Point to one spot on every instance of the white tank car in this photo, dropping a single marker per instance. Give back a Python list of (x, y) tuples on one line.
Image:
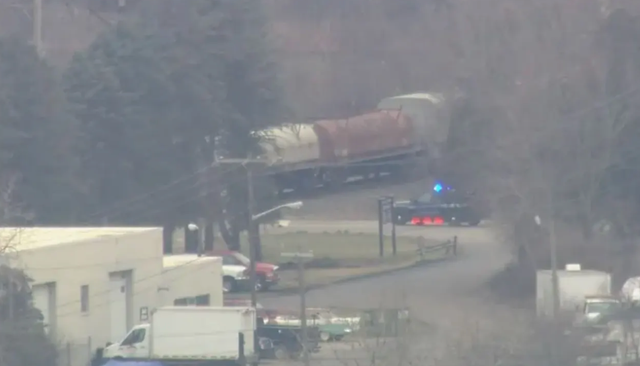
[(290, 145), (430, 114)]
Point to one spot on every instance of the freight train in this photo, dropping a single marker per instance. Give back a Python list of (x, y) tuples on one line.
[(328, 152)]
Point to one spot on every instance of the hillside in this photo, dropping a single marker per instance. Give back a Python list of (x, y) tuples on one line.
[(336, 58)]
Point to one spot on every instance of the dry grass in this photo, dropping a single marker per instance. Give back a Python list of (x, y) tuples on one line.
[(348, 249), (341, 256)]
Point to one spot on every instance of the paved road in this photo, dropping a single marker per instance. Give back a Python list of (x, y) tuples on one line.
[(417, 287), (431, 292)]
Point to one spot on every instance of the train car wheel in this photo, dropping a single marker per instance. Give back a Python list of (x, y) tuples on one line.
[(334, 178), (306, 183)]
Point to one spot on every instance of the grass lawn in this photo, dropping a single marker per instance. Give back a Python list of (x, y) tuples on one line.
[(338, 255), (349, 249), (325, 276)]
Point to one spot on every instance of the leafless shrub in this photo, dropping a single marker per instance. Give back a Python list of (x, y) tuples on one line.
[(478, 334), (11, 211), (537, 72)]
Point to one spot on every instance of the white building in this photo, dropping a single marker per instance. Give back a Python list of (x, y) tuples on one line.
[(191, 280), (93, 284)]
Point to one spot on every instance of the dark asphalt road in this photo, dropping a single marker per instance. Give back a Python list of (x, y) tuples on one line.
[(442, 295), (422, 289)]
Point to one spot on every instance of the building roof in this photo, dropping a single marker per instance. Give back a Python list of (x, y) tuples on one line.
[(178, 260), (432, 97), (29, 238)]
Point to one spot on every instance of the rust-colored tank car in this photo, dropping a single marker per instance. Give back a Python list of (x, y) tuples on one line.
[(378, 133)]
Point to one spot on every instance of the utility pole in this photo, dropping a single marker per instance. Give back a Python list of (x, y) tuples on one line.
[(204, 193), (252, 239), (37, 26), (252, 224), (299, 258), (553, 246), (10, 295)]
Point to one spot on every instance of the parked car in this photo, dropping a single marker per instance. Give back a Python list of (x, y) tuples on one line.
[(286, 340), (235, 272), (330, 326), (265, 347)]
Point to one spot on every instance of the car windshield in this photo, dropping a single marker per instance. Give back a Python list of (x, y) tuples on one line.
[(605, 307), (242, 258)]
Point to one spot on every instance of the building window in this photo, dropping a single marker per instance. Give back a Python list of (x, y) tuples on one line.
[(200, 300), (185, 301), (84, 298)]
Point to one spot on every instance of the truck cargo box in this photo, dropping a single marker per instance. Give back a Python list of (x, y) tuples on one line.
[(202, 332), (573, 285)]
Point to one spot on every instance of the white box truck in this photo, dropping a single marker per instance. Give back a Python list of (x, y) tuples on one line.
[(191, 333), (574, 285)]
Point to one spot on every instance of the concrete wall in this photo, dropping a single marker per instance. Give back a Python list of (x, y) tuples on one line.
[(189, 276)]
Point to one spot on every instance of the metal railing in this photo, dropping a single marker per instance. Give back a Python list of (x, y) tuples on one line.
[(450, 247)]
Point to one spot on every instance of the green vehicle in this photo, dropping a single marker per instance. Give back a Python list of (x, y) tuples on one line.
[(331, 327), (336, 324), (333, 332), (368, 323)]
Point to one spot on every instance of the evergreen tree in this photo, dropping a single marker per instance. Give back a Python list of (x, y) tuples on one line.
[(157, 98), (135, 115), (37, 136), (22, 335)]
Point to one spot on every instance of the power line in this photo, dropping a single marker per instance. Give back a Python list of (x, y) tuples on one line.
[(574, 116), (138, 281), (373, 164), (338, 164), (63, 268), (265, 173), (129, 202)]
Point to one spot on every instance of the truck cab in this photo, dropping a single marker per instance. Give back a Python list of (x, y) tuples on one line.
[(600, 305), (134, 345), (596, 308)]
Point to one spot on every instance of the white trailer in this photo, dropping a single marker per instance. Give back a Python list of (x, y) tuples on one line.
[(191, 333), (574, 286)]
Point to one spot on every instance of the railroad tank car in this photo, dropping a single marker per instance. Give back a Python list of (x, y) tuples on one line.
[(290, 145), (430, 115), (374, 134)]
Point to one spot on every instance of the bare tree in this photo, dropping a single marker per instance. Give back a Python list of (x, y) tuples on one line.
[(474, 332)]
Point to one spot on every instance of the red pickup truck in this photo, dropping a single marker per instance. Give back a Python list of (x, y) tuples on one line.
[(266, 273)]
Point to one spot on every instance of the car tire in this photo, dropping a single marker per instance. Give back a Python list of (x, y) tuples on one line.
[(281, 353), (229, 284), (261, 284)]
